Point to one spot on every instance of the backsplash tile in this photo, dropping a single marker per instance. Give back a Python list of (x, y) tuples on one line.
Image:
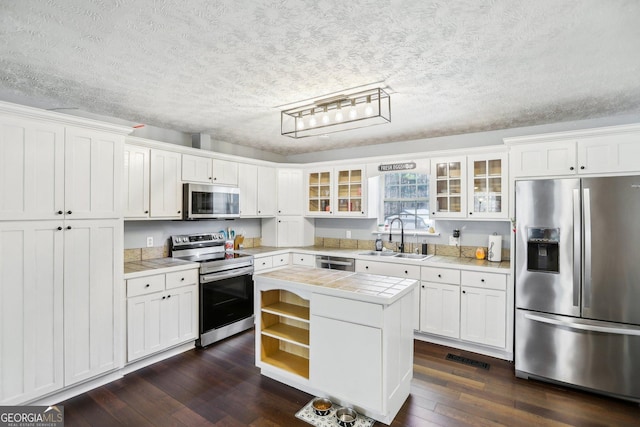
[(132, 255), (154, 252)]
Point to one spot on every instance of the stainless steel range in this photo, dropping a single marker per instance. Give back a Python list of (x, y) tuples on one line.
[(226, 285)]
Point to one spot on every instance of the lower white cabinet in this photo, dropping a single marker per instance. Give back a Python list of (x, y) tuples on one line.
[(483, 308), (388, 269), (162, 311), (440, 309)]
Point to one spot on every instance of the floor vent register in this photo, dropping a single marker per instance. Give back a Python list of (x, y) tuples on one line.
[(467, 361)]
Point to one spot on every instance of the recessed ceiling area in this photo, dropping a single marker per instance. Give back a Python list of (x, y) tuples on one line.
[(223, 67)]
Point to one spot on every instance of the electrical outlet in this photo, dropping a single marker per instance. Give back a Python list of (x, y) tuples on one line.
[(454, 241), (348, 234), (149, 242)]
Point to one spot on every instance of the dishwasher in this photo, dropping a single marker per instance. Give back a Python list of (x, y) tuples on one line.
[(335, 263)]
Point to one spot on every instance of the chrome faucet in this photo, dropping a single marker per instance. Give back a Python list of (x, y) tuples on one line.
[(401, 247)]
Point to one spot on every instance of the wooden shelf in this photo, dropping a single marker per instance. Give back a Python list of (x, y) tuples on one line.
[(289, 362), (288, 333), (291, 311)]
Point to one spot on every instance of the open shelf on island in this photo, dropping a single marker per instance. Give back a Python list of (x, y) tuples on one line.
[(288, 333)]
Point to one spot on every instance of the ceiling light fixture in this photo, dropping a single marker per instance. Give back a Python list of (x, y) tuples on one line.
[(349, 110)]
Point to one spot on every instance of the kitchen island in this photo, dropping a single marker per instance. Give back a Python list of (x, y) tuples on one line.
[(337, 334)]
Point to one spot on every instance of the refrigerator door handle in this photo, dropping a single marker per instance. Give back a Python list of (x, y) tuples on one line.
[(586, 200), (576, 248), (582, 326)]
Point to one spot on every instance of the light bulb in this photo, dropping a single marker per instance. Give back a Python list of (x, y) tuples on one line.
[(353, 114), (325, 116), (300, 122), (312, 120), (339, 116), (369, 109)]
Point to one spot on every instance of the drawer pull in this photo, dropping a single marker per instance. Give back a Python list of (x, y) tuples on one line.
[(440, 275), (482, 280), (168, 296), (147, 285), (163, 297), (406, 272), (182, 280)]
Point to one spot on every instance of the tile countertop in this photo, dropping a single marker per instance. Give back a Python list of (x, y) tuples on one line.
[(434, 261), (360, 286), (135, 269)]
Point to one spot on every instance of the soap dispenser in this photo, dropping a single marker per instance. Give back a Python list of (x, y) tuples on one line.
[(379, 243)]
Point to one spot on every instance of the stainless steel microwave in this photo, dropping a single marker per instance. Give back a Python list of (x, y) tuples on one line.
[(202, 201)]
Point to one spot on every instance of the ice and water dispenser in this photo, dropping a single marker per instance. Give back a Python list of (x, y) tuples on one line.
[(543, 252)]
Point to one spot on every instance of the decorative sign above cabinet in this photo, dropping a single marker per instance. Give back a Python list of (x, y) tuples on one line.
[(396, 167)]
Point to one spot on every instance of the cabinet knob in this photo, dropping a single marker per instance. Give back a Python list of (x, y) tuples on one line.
[(440, 275), (146, 212), (482, 280), (422, 286), (279, 211), (215, 178), (264, 263), (464, 292), (259, 211), (68, 227), (210, 177), (59, 228), (581, 167), (168, 296), (571, 168), (182, 280), (470, 213), (433, 213), (69, 212), (163, 297), (179, 211), (279, 221), (59, 212), (406, 272), (366, 267), (362, 212), (147, 285)]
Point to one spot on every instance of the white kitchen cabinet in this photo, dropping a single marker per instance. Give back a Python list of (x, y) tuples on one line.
[(294, 231), (290, 182), (448, 188), (487, 186), (308, 260), (52, 171), (162, 311), (388, 269), (197, 169), (613, 149), (483, 308), (166, 185), (92, 270), (136, 181), (93, 174), (31, 169), (263, 263), (336, 192), (440, 309), (31, 309), (225, 172), (257, 190)]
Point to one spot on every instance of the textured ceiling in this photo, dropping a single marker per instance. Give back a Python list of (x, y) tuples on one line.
[(222, 67)]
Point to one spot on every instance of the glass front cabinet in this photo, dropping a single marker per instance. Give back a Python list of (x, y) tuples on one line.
[(471, 187), (336, 192), (448, 184)]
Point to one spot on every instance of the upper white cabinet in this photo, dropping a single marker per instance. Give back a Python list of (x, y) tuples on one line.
[(448, 188), (487, 186), (136, 181), (289, 198), (208, 170), (197, 169), (257, 186), (473, 187), (336, 192), (166, 185), (612, 149), (53, 171)]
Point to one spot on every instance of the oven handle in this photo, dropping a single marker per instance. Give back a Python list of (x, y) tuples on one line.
[(208, 278)]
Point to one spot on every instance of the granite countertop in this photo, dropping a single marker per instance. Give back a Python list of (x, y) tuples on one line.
[(433, 261), (134, 269), (367, 287)]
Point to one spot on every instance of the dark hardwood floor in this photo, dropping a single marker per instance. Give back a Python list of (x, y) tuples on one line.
[(220, 386)]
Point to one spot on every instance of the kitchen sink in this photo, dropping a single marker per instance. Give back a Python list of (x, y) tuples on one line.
[(412, 256), (378, 253)]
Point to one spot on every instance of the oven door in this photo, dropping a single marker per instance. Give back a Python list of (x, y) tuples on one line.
[(225, 298)]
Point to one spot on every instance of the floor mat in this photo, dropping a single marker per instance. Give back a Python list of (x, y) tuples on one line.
[(467, 361), (306, 414)]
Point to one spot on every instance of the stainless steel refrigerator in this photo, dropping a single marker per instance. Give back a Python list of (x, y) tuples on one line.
[(577, 283)]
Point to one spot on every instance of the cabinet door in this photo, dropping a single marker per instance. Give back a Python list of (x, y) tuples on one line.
[(166, 187), (345, 361), (136, 182), (197, 169), (289, 230), (487, 184), (440, 309), (31, 169), (266, 188), (225, 172), (610, 153), (290, 191), (248, 185), (143, 325), (93, 174), (92, 273), (319, 193), (179, 316), (31, 325), (448, 188), (350, 192), (543, 159), (483, 316)]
